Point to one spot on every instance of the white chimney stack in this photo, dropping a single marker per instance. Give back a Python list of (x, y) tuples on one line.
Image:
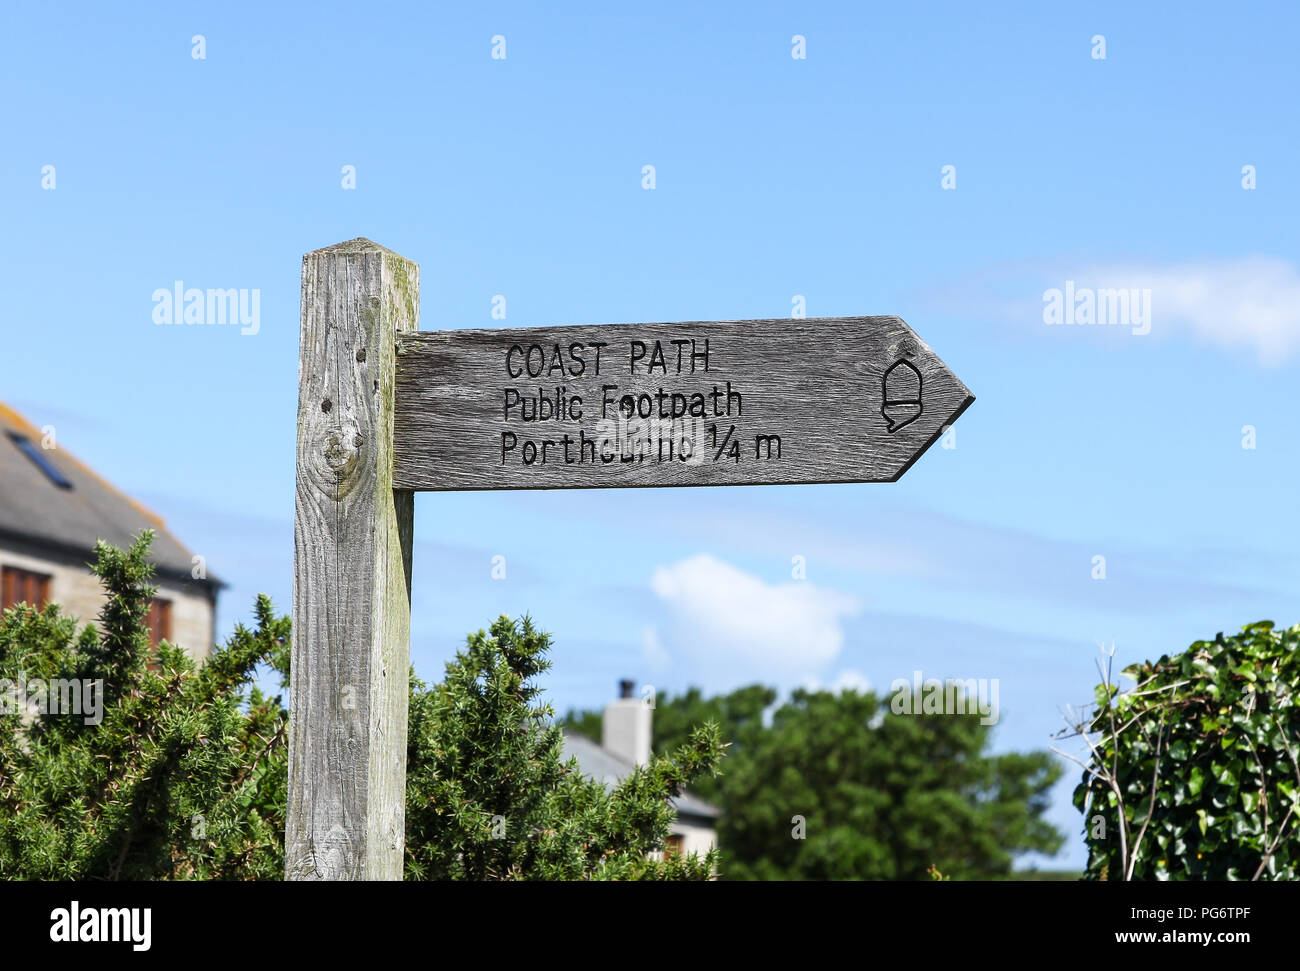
[(626, 730)]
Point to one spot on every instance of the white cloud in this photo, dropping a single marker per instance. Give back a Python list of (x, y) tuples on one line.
[(652, 649), (847, 680), (1253, 302), (850, 680), (723, 613), (1250, 303)]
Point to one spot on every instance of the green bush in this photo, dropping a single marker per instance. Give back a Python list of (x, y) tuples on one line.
[(182, 772), (1202, 758), (489, 797), (184, 776)]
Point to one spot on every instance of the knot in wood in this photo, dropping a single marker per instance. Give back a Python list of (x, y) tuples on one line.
[(337, 466)]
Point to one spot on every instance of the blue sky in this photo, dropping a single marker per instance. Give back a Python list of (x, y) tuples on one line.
[(775, 177)]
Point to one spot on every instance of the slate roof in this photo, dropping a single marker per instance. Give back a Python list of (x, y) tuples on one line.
[(604, 766), (36, 509)]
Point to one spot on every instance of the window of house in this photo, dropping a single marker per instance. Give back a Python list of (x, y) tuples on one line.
[(40, 460), (160, 623), (673, 845), (23, 586)]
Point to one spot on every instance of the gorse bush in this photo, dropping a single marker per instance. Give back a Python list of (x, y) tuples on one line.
[(1195, 772), (184, 776), (180, 770), (489, 796)]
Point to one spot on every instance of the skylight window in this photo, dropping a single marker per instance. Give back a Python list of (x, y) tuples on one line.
[(41, 461)]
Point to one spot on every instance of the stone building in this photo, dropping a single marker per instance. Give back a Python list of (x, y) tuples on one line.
[(53, 509), (625, 744)]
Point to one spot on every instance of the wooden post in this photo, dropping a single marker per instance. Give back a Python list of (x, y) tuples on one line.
[(352, 571)]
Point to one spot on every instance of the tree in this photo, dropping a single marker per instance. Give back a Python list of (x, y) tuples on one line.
[(489, 797), (1194, 773), (169, 770), (838, 786), (180, 773)]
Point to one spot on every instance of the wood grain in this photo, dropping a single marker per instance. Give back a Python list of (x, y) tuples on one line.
[(352, 572), (816, 383)]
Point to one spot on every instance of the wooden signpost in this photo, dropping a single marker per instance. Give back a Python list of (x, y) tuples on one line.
[(384, 411)]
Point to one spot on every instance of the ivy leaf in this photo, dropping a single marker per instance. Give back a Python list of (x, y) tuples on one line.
[(1242, 704), (1101, 695)]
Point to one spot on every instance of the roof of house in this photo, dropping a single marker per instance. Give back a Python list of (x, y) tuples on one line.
[(50, 499), (604, 766)]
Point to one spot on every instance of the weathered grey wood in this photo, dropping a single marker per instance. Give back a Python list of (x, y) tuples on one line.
[(352, 572), (817, 383)]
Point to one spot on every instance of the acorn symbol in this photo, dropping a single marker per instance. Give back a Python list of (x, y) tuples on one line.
[(901, 388)]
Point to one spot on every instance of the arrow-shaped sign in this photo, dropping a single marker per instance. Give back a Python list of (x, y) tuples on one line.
[(384, 410), (744, 402)]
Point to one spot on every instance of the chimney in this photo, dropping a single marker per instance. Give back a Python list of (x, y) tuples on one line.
[(627, 725)]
